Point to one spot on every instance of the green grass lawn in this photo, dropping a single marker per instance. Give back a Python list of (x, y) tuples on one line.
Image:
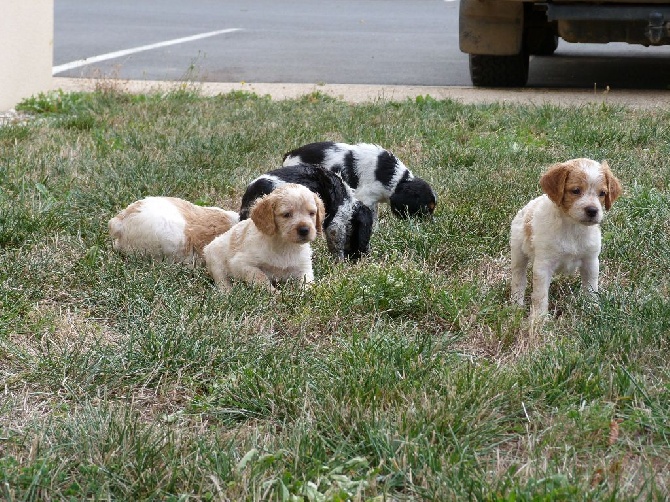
[(407, 375)]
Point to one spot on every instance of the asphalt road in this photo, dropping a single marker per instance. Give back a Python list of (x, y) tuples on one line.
[(390, 42)]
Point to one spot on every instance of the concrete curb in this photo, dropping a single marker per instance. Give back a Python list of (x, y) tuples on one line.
[(370, 93)]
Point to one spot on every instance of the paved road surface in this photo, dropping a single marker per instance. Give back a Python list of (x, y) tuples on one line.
[(390, 42)]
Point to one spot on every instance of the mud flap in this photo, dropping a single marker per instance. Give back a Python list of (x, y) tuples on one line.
[(491, 27)]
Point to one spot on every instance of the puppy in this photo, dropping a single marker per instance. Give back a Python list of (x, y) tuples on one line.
[(273, 245), (168, 228), (348, 222), (374, 173), (559, 231)]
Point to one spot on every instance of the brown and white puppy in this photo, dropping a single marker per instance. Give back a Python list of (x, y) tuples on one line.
[(168, 228), (273, 245), (559, 231)]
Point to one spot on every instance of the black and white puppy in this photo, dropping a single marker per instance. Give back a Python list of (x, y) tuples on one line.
[(373, 172), (348, 222)]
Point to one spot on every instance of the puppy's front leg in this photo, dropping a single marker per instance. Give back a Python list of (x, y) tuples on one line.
[(224, 285), (542, 273), (254, 275), (374, 207), (589, 271), (308, 277), (219, 274)]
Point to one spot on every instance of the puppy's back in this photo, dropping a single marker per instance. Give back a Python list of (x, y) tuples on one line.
[(168, 228), (312, 153), (203, 224)]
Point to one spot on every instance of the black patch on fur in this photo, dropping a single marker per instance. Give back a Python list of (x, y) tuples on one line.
[(314, 153), (387, 166), (413, 197), (349, 173), (255, 190)]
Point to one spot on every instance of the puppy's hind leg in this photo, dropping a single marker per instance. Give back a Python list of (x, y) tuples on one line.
[(519, 279), (519, 275), (519, 265)]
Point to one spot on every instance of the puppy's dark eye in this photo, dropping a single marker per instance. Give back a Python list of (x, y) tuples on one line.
[(602, 193), (288, 214), (312, 213), (576, 191)]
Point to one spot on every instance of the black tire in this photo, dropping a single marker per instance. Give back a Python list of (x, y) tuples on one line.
[(499, 71)]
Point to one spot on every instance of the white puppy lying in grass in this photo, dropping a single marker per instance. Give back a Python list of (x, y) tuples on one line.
[(273, 245), (168, 228)]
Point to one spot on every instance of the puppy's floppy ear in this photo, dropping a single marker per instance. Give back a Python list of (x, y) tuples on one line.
[(263, 214), (320, 214), (613, 186), (553, 181)]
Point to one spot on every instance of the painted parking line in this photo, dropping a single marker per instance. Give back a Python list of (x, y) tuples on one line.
[(126, 52)]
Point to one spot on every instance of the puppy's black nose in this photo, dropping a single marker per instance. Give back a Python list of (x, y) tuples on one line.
[(591, 211), (303, 231)]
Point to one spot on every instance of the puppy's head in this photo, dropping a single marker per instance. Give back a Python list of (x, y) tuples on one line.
[(413, 197), (581, 188), (291, 212)]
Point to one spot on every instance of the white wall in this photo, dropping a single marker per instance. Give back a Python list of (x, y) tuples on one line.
[(26, 49)]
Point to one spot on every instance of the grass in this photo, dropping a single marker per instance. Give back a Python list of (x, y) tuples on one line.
[(407, 375)]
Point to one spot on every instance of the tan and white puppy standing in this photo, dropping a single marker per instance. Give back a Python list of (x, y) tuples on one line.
[(559, 231), (273, 244), (168, 228)]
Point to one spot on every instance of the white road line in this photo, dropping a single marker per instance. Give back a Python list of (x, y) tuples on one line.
[(126, 52)]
